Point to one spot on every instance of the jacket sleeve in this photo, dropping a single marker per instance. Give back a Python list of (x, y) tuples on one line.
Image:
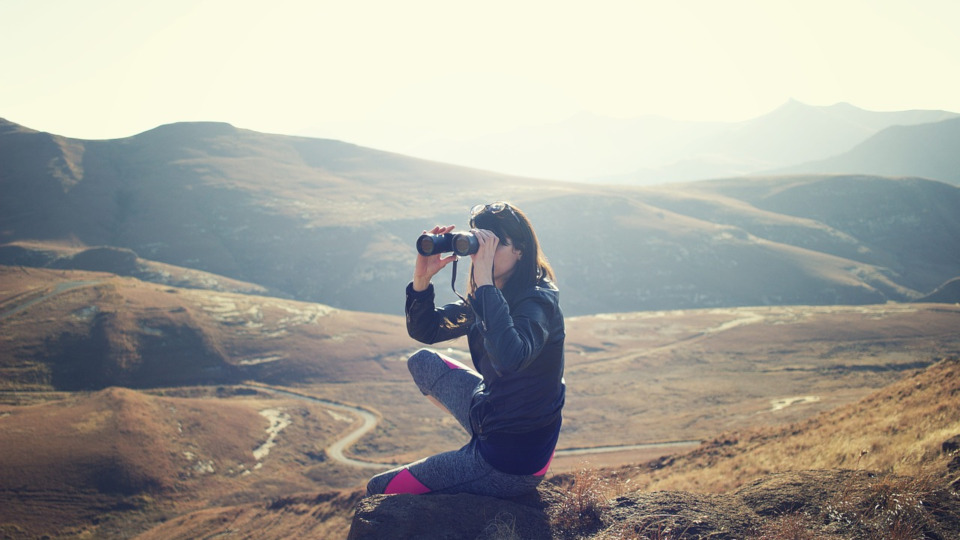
[(513, 339), (428, 324)]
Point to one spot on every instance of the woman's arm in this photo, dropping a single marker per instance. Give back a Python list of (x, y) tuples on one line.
[(428, 324), (512, 339)]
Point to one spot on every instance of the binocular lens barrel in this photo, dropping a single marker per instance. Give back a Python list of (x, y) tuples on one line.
[(427, 244), (465, 244), (460, 243)]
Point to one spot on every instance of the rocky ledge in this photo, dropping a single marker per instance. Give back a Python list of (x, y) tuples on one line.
[(802, 504)]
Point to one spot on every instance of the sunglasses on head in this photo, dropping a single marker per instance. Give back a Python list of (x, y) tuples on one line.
[(493, 208)]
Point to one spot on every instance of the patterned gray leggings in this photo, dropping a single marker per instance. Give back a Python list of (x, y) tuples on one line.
[(459, 471)]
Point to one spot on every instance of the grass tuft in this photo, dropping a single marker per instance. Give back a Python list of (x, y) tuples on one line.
[(586, 501)]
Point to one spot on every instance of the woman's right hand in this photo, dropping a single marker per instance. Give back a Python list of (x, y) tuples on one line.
[(428, 266)]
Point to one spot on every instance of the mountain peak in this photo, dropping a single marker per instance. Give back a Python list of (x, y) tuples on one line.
[(202, 129), (793, 103)]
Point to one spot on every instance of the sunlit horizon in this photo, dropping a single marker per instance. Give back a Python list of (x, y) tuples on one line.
[(392, 75)]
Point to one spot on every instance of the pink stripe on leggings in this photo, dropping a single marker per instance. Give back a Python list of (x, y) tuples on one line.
[(451, 363), (405, 483), (546, 467)]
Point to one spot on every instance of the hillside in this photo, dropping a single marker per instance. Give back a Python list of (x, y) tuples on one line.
[(110, 463), (884, 467), (637, 382), (901, 227), (927, 150), (171, 302), (887, 466), (652, 149), (70, 330), (328, 222), (899, 429), (88, 458)]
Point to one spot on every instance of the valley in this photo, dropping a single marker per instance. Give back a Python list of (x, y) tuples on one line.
[(640, 385), (201, 324)]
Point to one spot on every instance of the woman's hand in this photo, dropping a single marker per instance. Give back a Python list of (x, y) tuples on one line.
[(428, 266), (483, 258)]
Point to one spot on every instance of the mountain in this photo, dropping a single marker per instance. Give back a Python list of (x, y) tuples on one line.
[(70, 460), (84, 330), (170, 302), (652, 149), (796, 132), (178, 447), (580, 148), (883, 222), (928, 150), (885, 467), (104, 464), (333, 223)]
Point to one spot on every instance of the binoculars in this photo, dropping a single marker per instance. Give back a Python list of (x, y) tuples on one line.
[(461, 244)]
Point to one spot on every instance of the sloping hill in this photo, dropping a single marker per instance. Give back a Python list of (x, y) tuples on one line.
[(328, 222), (884, 467), (899, 429), (797, 133), (926, 150), (904, 226), (112, 463), (68, 464), (651, 149), (71, 330)]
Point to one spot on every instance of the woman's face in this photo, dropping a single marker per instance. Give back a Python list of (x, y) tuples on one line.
[(505, 262)]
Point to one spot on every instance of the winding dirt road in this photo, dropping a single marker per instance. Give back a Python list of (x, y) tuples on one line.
[(335, 450)]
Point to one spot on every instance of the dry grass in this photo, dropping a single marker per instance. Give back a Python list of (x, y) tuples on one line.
[(795, 526), (893, 508), (502, 527), (629, 376), (896, 430), (890, 507), (897, 433), (588, 494)]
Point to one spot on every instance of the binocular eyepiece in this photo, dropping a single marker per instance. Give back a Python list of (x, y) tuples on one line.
[(461, 244)]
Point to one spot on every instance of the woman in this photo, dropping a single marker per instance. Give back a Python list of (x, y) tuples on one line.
[(510, 405)]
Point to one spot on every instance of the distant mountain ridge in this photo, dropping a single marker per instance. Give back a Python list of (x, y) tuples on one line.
[(654, 150), (928, 150), (330, 222)]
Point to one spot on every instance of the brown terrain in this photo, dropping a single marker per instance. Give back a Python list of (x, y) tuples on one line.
[(201, 336), (333, 223), (115, 461)]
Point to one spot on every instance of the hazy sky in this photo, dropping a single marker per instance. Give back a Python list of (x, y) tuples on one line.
[(390, 73)]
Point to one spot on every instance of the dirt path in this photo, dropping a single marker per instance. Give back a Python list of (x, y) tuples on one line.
[(59, 289), (335, 450), (370, 422), (621, 447)]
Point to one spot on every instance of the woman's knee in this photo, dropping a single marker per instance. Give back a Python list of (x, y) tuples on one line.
[(420, 360), (423, 366), (396, 481), (378, 483)]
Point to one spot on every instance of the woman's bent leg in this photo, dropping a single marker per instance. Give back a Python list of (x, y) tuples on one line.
[(446, 380), (460, 471)]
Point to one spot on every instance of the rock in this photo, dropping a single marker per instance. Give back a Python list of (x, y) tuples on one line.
[(799, 491), (438, 517), (951, 445), (814, 503), (679, 514)]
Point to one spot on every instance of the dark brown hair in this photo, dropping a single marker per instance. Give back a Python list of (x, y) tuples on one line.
[(533, 268)]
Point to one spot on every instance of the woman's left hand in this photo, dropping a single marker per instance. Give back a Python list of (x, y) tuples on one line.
[(483, 258)]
